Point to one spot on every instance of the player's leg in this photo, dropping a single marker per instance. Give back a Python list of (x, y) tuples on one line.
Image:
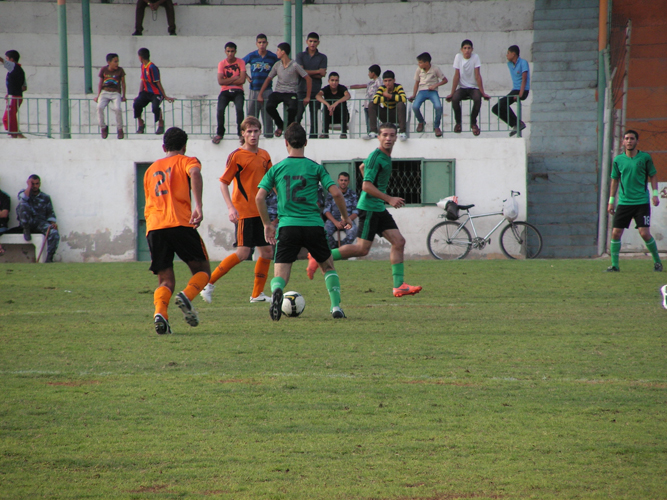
[(162, 259), (189, 246), (643, 220), (394, 236), (620, 222), (261, 273), (315, 241), (288, 246)]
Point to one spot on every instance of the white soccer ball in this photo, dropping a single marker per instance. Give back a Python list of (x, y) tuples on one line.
[(293, 304)]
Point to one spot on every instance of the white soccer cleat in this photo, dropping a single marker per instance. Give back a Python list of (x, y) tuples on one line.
[(664, 296), (207, 293), (260, 298), (337, 313)]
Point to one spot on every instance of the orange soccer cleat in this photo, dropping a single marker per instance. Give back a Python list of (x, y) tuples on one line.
[(406, 289), (312, 267)]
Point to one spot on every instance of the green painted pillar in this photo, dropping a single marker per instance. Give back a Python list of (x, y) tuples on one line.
[(287, 19), (87, 59), (64, 78), (298, 26)]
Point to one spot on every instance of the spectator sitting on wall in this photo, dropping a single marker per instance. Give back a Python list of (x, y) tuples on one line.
[(36, 215), (389, 105), (111, 89), (231, 77), (371, 87), (5, 205), (333, 96), (150, 92), (427, 80), (154, 4), (520, 73), (16, 85), (334, 222), (315, 64)]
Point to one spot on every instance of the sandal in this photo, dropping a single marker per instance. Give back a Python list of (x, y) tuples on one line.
[(216, 139), (278, 132), (457, 128), (475, 129)]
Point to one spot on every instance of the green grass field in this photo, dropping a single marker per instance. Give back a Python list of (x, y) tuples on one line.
[(513, 380)]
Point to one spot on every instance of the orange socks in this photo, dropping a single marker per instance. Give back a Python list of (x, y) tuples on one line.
[(224, 267), (161, 299), (196, 285), (261, 274)]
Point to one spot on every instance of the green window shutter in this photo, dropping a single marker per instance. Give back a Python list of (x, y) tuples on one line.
[(336, 167), (438, 180)]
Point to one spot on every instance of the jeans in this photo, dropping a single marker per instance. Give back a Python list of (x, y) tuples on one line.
[(225, 97), (144, 99), (103, 100), (463, 94), (256, 109), (503, 110), (422, 96)]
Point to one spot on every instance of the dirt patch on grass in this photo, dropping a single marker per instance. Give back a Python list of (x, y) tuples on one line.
[(238, 381), (75, 383)]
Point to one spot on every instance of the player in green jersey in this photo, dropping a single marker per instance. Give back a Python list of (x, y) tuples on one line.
[(374, 217), (630, 172), (296, 180)]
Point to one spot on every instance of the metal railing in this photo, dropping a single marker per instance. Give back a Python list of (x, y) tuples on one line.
[(39, 116)]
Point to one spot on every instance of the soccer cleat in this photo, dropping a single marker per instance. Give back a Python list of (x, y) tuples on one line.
[(312, 267), (189, 313), (402, 136), (207, 293), (657, 267), (262, 297), (276, 308), (337, 313), (663, 290), (161, 325), (612, 269), (406, 289)]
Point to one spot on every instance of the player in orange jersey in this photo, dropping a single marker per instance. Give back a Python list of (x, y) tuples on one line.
[(246, 167), (171, 227)]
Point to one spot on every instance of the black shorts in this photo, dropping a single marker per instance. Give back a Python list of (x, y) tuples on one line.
[(625, 213), (290, 240), (183, 241), (250, 233), (372, 223)]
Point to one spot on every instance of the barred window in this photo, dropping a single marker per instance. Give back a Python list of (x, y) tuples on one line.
[(405, 181)]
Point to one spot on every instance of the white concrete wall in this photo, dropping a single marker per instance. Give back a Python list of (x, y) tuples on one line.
[(93, 187)]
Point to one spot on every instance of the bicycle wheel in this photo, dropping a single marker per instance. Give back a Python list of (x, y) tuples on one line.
[(448, 240), (520, 240)]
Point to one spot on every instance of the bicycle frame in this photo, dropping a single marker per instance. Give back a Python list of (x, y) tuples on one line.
[(470, 218)]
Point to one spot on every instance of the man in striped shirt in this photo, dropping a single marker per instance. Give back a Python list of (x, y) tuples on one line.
[(150, 92), (389, 105)]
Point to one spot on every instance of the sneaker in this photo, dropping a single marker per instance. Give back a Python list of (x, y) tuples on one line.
[(371, 135), (137, 33), (276, 308), (312, 267), (189, 313), (262, 297), (657, 267), (406, 289), (121, 134), (402, 136), (207, 293), (26, 234), (612, 269), (337, 313), (161, 325), (513, 130), (663, 290), (342, 136), (324, 136), (105, 132)]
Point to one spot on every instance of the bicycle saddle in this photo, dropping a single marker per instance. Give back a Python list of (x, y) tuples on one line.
[(465, 207)]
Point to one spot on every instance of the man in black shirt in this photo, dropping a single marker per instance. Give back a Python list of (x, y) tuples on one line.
[(333, 96)]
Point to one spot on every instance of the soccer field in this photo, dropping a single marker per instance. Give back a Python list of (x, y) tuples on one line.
[(502, 379)]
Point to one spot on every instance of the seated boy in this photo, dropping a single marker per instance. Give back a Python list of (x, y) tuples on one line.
[(427, 80), (468, 79), (388, 105), (371, 88), (111, 89), (333, 96)]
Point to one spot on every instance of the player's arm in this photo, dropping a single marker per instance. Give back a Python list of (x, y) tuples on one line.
[(394, 201), (612, 194), (197, 187), (269, 229), (233, 213), (339, 199), (654, 188)]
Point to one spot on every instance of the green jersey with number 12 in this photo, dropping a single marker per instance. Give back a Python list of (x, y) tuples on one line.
[(296, 180)]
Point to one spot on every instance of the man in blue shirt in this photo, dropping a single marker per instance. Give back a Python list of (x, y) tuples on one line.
[(258, 64), (520, 74)]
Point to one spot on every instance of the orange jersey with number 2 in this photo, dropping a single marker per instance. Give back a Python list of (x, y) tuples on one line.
[(167, 189)]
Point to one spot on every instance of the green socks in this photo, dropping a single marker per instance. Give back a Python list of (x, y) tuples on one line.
[(653, 248), (276, 283), (398, 274), (614, 250), (335, 253), (333, 287)]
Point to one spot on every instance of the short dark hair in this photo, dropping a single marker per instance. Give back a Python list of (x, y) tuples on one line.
[(230, 45), (14, 54), (175, 139), (295, 135), (466, 42), (515, 49), (313, 35), (260, 37), (344, 174), (285, 47), (388, 74), (424, 57), (632, 132), (144, 53), (111, 57), (333, 73), (388, 125), (35, 177), (375, 69)]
